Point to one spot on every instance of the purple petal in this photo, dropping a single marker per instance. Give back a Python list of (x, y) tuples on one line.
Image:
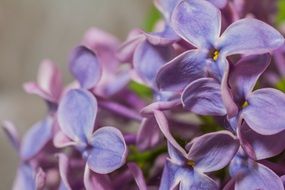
[(249, 36), (96, 181), (108, 151), (40, 133), (166, 7), (259, 177), (85, 67), (50, 79), (262, 146), (63, 170), (219, 3), (34, 88), (184, 177), (165, 37), (203, 97), (163, 105), (163, 125), (12, 134), (212, 151), (149, 134), (182, 70), (244, 75), (148, 59), (76, 114), (198, 22), (60, 140), (266, 111), (40, 179), (138, 175), (175, 155)]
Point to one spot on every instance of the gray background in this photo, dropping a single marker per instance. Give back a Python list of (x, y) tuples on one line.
[(31, 30)]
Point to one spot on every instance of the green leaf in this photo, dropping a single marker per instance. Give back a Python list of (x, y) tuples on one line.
[(281, 85), (140, 89), (153, 16), (281, 12)]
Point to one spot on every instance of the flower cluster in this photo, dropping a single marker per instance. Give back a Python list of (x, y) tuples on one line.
[(182, 107)]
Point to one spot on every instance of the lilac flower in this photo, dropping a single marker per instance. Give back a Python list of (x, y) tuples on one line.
[(205, 154), (199, 23), (104, 150), (249, 174), (204, 97)]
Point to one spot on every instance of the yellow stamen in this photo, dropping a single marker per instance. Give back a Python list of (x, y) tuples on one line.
[(216, 55), (245, 104), (191, 163)]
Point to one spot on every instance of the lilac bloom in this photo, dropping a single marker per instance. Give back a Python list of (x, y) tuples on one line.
[(104, 150), (206, 153), (49, 83), (199, 23), (254, 107), (249, 174)]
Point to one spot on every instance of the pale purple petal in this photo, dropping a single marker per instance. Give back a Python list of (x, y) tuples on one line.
[(96, 181), (76, 114), (259, 177), (175, 155), (40, 133), (203, 97), (166, 7), (40, 179), (60, 140), (219, 3), (50, 79), (108, 151), (148, 59), (85, 67), (149, 134), (266, 111), (34, 88), (263, 146), (25, 178), (165, 37), (182, 70), (163, 125), (63, 170), (138, 176), (160, 105), (12, 134), (244, 75), (198, 22), (212, 151), (249, 36)]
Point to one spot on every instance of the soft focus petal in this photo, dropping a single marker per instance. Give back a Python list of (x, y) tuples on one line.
[(36, 138), (219, 3), (212, 151), (76, 114), (96, 181), (266, 111), (60, 140), (34, 88), (85, 67), (25, 178), (108, 151), (160, 105), (166, 7), (40, 179), (63, 170), (138, 176), (259, 177), (50, 79), (165, 37), (198, 22), (249, 36), (12, 134), (149, 134), (203, 97), (175, 155), (244, 75), (182, 70), (263, 146), (148, 59)]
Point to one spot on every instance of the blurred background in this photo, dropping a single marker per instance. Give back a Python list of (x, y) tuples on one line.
[(31, 30)]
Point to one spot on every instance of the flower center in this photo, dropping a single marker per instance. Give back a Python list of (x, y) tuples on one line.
[(245, 104), (215, 55), (190, 163)]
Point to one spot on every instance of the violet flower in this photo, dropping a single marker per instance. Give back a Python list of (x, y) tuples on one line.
[(204, 154), (199, 23), (104, 150), (249, 174)]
